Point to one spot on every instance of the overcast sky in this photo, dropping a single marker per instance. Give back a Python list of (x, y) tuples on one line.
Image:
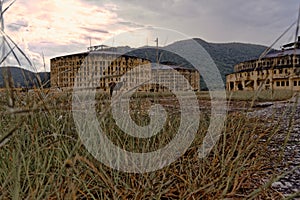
[(58, 27)]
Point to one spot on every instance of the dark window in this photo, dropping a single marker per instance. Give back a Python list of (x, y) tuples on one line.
[(231, 85), (295, 83), (287, 83), (282, 83), (275, 71), (277, 83)]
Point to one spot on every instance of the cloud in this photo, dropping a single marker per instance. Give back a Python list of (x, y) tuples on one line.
[(257, 21), (17, 25), (42, 26), (94, 30), (13, 27), (131, 24), (55, 27)]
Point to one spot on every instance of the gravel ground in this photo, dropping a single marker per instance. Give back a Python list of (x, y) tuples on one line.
[(285, 114)]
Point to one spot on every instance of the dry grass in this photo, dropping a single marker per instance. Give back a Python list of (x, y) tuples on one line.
[(43, 158), (264, 95)]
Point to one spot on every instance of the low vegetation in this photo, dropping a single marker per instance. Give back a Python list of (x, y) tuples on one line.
[(42, 156)]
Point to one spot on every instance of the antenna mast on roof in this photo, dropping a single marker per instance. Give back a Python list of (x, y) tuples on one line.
[(156, 50), (90, 42)]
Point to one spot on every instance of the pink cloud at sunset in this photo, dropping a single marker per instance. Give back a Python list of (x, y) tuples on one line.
[(53, 27)]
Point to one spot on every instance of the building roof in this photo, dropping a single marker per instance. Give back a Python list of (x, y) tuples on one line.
[(106, 53), (166, 67), (100, 52), (284, 52)]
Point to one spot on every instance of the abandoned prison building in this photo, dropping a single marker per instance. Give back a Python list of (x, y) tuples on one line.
[(274, 71), (103, 69)]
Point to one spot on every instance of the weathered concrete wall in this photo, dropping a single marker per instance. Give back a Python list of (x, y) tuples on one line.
[(101, 70), (267, 74)]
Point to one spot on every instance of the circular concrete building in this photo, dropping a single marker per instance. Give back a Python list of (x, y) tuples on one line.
[(278, 70)]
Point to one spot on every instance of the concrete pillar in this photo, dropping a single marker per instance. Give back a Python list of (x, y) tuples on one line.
[(291, 84), (271, 84), (255, 84)]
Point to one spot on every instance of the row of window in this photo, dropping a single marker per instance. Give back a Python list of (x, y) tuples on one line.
[(276, 71), (97, 79), (88, 62), (266, 64), (280, 71), (71, 63), (282, 83), (286, 83)]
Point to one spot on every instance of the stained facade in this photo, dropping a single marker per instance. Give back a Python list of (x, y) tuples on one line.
[(175, 78), (275, 71), (104, 69)]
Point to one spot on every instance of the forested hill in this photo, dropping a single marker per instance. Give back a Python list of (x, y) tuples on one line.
[(22, 78), (225, 55)]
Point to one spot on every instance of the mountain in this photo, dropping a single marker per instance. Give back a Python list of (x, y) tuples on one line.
[(225, 55), (23, 78)]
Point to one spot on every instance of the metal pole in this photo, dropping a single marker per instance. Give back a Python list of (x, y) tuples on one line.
[(2, 29)]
